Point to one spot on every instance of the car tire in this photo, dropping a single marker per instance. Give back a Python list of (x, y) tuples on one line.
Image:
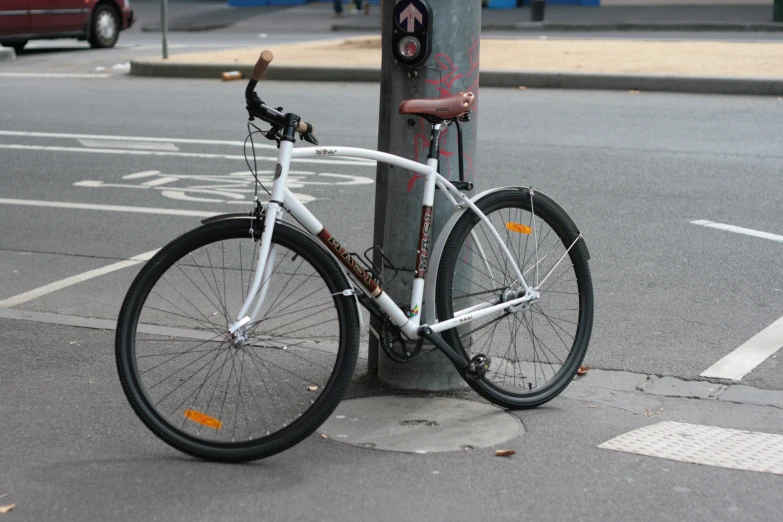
[(17, 46), (104, 27)]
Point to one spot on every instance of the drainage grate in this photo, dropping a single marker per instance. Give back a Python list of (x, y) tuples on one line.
[(707, 445)]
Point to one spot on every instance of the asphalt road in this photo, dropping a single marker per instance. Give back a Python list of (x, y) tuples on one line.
[(634, 170)]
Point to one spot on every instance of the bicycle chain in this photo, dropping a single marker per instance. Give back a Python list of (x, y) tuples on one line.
[(476, 294), (417, 351)]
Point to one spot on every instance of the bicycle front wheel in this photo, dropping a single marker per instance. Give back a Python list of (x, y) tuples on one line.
[(236, 401), (535, 349)]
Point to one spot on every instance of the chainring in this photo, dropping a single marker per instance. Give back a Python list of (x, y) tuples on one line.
[(394, 345)]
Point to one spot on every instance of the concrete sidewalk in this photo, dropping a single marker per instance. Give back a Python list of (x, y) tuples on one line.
[(680, 66)]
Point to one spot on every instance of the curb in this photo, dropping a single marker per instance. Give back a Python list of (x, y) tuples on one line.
[(642, 82), (611, 26), (280, 73), (489, 78), (7, 53)]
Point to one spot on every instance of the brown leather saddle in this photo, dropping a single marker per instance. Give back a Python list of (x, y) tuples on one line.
[(446, 108)]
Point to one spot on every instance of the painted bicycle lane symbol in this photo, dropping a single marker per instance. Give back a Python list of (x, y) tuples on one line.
[(235, 187)]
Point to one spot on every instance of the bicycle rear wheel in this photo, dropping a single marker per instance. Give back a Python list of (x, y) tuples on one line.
[(535, 349), (202, 394)]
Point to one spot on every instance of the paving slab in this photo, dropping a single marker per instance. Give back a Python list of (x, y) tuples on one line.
[(611, 380), (671, 387), (420, 424), (747, 395), (634, 402)]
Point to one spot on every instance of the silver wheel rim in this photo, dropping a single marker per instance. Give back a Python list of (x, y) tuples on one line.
[(106, 26)]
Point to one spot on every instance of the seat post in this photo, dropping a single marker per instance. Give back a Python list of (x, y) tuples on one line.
[(437, 127)]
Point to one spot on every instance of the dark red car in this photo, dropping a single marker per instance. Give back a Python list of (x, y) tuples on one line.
[(97, 21)]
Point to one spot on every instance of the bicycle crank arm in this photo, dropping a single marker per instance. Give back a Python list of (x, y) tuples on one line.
[(456, 359)]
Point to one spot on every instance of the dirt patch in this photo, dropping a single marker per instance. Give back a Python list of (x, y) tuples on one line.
[(737, 59)]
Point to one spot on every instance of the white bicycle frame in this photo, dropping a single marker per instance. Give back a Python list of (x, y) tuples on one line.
[(408, 324)]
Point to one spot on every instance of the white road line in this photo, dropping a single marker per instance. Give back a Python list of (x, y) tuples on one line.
[(129, 138), (108, 208), (141, 145), (738, 230), (70, 281), (110, 324), (178, 154), (53, 75), (756, 350)]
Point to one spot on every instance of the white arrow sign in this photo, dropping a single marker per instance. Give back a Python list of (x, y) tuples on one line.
[(413, 15)]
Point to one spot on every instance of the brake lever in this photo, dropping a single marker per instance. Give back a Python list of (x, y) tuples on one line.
[(310, 138)]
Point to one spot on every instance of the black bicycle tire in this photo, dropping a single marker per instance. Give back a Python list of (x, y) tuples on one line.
[(565, 231), (289, 237)]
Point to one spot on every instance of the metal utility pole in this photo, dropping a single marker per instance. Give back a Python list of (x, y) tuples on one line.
[(537, 10), (452, 66), (164, 26)]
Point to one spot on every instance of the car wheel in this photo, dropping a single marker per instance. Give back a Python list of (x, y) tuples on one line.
[(17, 46), (105, 28)]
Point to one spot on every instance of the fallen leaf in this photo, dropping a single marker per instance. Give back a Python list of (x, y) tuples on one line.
[(582, 370), (6, 509), (634, 91), (522, 88), (591, 406), (504, 453), (312, 388), (324, 436)]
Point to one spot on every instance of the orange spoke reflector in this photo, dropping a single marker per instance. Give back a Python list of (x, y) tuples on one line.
[(519, 227), (203, 419)]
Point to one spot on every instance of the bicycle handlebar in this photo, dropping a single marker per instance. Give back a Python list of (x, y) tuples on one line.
[(268, 113), (261, 65)]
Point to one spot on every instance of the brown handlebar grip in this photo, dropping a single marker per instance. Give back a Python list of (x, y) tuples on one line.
[(261, 65), (303, 126)]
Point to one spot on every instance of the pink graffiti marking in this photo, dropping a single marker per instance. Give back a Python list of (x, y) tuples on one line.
[(445, 84)]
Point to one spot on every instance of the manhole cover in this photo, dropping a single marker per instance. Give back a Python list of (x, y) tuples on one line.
[(420, 424)]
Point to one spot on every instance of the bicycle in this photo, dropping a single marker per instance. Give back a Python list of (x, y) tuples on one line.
[(238, 339)]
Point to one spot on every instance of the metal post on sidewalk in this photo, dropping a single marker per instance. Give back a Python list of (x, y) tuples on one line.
[(164, 26), (537, 10), (450, 67)]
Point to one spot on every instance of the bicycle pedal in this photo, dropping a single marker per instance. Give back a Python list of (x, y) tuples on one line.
[(477, 367)]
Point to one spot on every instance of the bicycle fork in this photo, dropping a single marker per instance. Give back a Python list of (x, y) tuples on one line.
[(265, 261)]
